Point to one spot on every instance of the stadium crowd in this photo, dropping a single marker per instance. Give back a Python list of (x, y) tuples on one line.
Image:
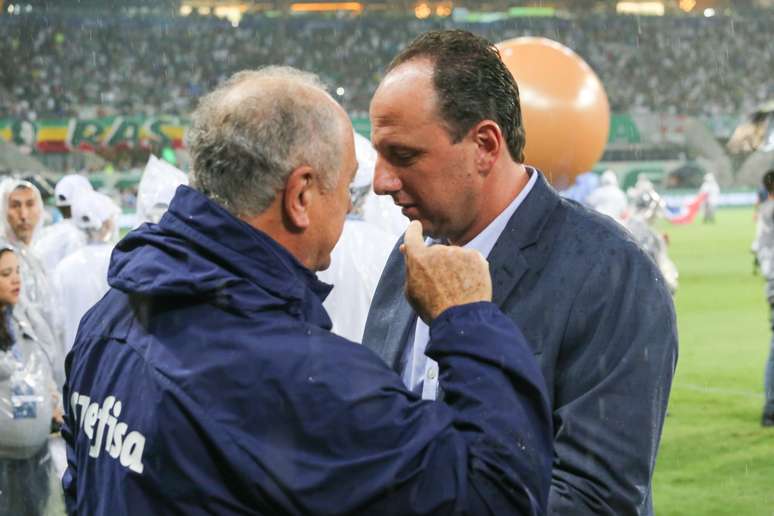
[(101, 65)]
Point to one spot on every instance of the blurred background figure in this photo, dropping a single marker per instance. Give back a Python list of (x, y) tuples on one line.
[(646, 208), (28, 402), (157, 186), (608, 198), (710, 186), (763, 247), (584, 184), (64, 237), (643, 184), (21, 210), (81, 278), (361, 252)]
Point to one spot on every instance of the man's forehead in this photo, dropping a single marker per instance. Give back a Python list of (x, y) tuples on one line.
[(406, 97), (22, 194)]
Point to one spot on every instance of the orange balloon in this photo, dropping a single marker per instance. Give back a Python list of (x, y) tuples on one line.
[(563, 104)]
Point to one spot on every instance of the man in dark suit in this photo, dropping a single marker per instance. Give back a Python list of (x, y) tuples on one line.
[(446, 123)]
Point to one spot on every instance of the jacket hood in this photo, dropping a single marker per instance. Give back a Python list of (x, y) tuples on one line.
[(198, 249)]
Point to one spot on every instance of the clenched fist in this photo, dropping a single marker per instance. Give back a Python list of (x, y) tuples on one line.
[(441, 276)]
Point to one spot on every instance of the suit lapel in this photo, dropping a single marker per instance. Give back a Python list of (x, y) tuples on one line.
[(392, 320), (508, 261)]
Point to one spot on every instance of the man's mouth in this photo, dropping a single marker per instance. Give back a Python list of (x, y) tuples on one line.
[(409, 210)]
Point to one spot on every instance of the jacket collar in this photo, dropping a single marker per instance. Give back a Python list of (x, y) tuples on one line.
[(217, 239)]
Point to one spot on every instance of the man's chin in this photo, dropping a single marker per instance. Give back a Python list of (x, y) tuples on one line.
[(323, 265)]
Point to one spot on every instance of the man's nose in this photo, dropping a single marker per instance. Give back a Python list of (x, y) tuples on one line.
[(385, 180)]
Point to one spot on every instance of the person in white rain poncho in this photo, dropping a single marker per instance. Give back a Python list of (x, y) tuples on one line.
[(361, 252), (64, 237), (157, 186), (710, 186), (608, 198), (21, 209), (646, 208), (81, 278)]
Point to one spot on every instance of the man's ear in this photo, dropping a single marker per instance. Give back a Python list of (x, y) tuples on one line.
[(300, 190), (489, 141)]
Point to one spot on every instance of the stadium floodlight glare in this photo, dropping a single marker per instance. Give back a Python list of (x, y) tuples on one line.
[(687, 5), (443, 10), (340, 91), (640, 8), (422, 11), (312, 7), (185, 10), (709, 12)]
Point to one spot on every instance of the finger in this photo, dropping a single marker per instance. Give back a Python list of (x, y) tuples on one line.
[(412, 240)]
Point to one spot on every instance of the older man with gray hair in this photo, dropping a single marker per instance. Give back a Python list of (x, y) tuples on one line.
[(206, 381)]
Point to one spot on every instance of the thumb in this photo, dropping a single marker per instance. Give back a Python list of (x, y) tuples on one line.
[(413, 242)]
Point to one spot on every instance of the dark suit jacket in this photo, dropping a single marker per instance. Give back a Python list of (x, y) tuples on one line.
[(601, 322)]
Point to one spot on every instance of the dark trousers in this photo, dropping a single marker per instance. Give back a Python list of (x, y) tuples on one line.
[(25, 484)]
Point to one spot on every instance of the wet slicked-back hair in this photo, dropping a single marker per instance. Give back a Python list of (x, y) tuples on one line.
[(471, 83)]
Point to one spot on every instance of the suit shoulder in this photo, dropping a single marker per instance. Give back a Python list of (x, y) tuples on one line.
[(591, 231)]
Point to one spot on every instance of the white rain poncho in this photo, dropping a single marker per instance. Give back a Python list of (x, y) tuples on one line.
[(608, 198), (64, 237), (712, 189), (356, 266), (81, 278), (37, 301), (27, 392), (646, 208), (157, 187)]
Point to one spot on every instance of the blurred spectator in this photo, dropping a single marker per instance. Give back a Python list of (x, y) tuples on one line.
[(710, 186), (156, 189), (646, 208), (64, 237), (21, 211), (93, 65), (763, 246), (81, 278), (608, 198), (28, 402)]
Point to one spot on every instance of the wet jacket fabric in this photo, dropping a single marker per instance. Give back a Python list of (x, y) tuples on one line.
[(206, 381), (601, 322)]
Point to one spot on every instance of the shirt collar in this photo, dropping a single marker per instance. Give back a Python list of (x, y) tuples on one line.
[(485, 241)]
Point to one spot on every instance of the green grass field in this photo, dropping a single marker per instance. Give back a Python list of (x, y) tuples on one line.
[(715, 458)]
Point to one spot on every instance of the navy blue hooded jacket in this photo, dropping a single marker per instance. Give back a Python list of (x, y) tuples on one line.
[(206, 381)]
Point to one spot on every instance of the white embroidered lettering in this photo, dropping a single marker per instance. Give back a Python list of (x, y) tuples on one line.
[(127, 448)]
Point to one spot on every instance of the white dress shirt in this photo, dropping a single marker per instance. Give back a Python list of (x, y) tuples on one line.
[(419, 369)]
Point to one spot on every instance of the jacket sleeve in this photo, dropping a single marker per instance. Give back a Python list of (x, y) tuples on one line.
[(613, 377), (355, 441)]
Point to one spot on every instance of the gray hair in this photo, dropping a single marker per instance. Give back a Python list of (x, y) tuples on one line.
[(242, 152)]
